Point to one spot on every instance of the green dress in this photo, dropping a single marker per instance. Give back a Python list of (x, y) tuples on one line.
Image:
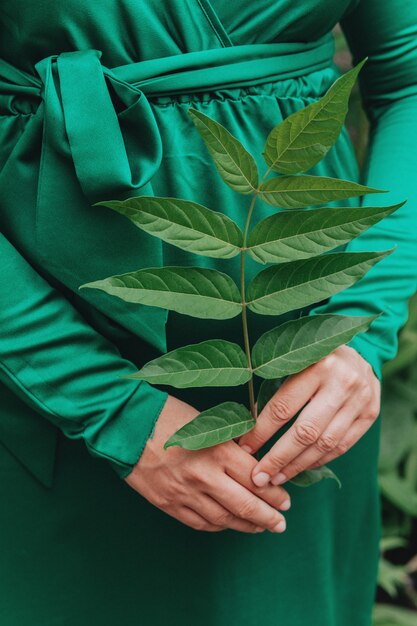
[(93, 106)]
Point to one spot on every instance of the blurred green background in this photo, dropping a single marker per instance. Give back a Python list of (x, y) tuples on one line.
[(396, 601)]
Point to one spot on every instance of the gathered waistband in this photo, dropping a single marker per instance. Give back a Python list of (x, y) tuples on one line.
[(244, 65), (201, 70), (88, 110)]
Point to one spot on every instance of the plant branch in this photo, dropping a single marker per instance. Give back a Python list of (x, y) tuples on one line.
[(246, 341)]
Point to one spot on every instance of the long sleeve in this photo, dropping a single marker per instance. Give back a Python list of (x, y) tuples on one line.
[(386, 32), (59, 365)]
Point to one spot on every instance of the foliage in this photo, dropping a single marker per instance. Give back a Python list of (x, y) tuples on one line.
[(293, 241), (398, 479), (397, 580), (387, 615)]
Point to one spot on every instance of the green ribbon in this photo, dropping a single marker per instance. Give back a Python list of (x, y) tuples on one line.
[(90, 111)]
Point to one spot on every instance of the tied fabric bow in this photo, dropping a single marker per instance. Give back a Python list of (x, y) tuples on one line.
[(81, 98)]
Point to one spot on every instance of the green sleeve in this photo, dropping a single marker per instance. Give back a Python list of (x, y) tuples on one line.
[(386, 32), (59, 365)]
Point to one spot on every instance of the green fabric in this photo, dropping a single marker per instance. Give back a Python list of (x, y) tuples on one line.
[(93, 105)]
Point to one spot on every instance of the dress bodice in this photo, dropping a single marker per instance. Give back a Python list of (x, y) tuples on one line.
[(134, 30)]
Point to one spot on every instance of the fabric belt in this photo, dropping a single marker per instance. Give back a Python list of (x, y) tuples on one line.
[(90, 110)]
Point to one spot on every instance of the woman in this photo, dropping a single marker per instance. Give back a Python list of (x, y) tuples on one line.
[(99, 524)]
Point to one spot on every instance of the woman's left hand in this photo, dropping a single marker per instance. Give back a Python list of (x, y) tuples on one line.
[(341, 399)]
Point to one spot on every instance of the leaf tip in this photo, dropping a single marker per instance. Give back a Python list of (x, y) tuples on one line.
[(130, 376), (362, 63), (169, 444)]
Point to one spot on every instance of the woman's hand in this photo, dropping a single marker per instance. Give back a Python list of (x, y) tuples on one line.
[(341, 399), (209, 489)]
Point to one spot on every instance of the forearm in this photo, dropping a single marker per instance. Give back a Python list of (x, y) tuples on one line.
[(68, 372)]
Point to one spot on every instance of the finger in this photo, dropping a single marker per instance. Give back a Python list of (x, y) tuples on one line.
[(294, 393), (244, 504), (240, 469), (355, 432), (191, 518), (217, 515), (305, 432), (326, 444)]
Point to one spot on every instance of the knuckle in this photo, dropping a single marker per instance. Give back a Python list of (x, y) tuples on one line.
[(163, 501), (368, 418), (317, 463), (326, 442), (350, 378), (332, 403), (222, 519), (306, 433), (366, 394), (279, 409), (328, 363), (199, 524), (255, 438), (374, 411), (247, 508), (222, 451), (195, 473), (294, 468), (274, 460), (341, 448), (273, 519)]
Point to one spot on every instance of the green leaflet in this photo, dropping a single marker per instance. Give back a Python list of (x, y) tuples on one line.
[(397, 435), (193, 291), (295, 192), (299, 234), (234, 163), (215, 425), (391, 577), (295, 345), (182, 223), (302, 139), (309, 477), (398, 491), (294, 285), (212, 363), (389, 615), (267, 389)]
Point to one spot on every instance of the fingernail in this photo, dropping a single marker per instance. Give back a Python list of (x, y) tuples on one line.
[(259, 529), (280, 527), (278, 479), (246, 448), (261, 479), (284, 506)]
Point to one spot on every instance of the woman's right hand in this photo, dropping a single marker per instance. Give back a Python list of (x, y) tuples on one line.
[(209, 489)]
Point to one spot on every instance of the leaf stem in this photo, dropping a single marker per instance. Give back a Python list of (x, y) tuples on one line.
[(246, 341)]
